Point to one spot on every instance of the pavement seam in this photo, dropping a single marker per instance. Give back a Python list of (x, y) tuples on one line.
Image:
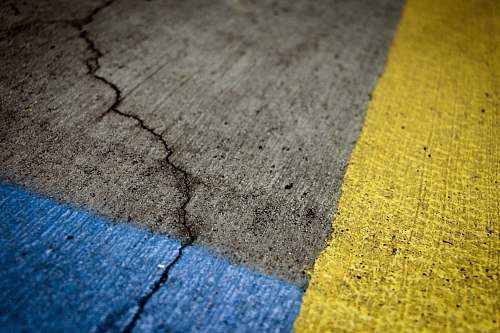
[(92, 67)]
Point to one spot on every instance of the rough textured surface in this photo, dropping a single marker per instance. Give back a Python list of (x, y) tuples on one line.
[(64, 270), (228, 122), (206, 293), (416, 239)]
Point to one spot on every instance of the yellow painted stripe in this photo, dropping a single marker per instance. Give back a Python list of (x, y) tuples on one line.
[(415, 244)]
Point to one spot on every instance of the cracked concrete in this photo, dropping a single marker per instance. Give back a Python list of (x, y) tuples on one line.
[(93, 66), (228, 122), (65, 270)]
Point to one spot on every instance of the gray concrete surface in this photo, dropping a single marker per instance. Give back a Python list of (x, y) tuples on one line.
[(227, 123)]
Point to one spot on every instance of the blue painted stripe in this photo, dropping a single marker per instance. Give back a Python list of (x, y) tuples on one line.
[(63, 269), (208, 293)]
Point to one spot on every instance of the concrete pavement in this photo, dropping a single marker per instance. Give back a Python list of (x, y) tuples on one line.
[(227, 123)]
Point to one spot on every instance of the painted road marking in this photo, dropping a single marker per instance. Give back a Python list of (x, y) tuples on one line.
[(63, 269), (415, 243)]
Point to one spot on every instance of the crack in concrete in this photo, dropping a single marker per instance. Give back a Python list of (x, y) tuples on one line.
[(92, 67), (141, 303)]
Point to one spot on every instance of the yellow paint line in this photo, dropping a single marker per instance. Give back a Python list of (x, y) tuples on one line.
[(415, 244)]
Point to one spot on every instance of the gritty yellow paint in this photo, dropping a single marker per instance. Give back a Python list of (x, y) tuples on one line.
[(415, 244)]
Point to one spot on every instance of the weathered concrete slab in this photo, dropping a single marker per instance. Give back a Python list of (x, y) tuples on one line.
[(226, 121), (64, 270)]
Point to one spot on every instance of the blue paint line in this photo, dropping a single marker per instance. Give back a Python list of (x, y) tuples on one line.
[(63, 269), (206, 293)]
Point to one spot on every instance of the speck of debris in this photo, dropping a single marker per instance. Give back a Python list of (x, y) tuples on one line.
[(394, 251), (69, 237), (447, 242), (429, 155), (310, 212), (402, 127), (161, 266), (483, 110), (289, 186), (260, 147), (358, 276), (425, 148)]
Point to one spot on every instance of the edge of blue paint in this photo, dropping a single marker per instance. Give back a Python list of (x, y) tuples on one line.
[(64, 269)]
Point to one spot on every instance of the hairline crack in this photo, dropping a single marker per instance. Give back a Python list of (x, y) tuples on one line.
[(93, 66)]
